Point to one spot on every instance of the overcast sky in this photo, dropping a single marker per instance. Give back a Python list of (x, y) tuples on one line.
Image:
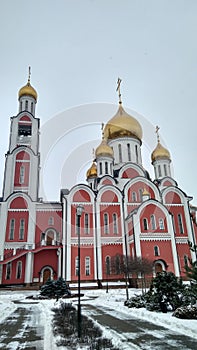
[(77, 49)]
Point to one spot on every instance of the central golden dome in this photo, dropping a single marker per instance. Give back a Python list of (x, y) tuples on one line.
[(28, 90), (121, 125)]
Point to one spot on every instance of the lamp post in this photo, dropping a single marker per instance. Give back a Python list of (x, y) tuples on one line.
[(80, 210)]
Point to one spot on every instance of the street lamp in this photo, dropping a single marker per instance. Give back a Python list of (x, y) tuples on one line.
[(80, 210)]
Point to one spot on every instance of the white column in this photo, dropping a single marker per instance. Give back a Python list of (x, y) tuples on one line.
[(29, 267), (173, 244), (99, 248), (137, 231), (64, 238), (59, 254)]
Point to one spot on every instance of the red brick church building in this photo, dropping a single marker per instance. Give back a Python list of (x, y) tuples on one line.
[(125, 212)]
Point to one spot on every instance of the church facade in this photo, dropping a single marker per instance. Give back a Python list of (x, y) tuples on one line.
[(124, 211)]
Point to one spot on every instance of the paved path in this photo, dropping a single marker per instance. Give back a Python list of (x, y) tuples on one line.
[(22, 329), (140, 334)]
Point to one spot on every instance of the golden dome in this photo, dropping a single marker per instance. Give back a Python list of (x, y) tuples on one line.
[(145, 192), (28, 90), (160, 153), (92, 171), (104, 150), (121, 125)]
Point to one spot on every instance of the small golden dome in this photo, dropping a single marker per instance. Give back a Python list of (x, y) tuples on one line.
[(104, 150), (92, 171), (28, 90), (121, 125), (160, 152), (145, 192)]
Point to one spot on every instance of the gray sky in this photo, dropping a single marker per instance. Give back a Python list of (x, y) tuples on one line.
[(77, 49)]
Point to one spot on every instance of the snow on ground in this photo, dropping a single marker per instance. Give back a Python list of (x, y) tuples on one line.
[(114, 299)]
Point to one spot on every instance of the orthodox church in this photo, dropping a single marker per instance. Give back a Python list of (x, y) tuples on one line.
[(123, 211)]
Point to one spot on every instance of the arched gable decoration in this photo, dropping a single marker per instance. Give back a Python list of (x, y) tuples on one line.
[(167, 181), (109, 194), (22, 155), (25, 118), (81, 193), (146, 184), (173, 195), (131, 171), (18, 203), (107, 180)]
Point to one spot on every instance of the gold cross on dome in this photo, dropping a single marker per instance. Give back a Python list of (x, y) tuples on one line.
[(102, 128), (29, 75), (118, 89), (93, 152), (157, 132)]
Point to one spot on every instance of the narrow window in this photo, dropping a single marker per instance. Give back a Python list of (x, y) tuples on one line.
[(107, 264), (140, 193), (117, 265), (22, 174), (165, 170), (51, 221), (129, 151), (106, 223), (19, 270), (115, 227), (21, 106), (134, 197), (180, 223), (26, 105), (111, 168), (161, 224), (86, 223), (77, 224), (32, 107), (145, 222), (120, 153), (8, 271), (12, 227), (185, 260), (156, 250), (136, 154), (159, 170), (22, 229), (100, 168), (106, 168), (153, 225), (87, 266), (76, 266)]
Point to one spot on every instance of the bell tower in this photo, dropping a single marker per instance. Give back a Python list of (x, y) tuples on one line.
[(23, 158)]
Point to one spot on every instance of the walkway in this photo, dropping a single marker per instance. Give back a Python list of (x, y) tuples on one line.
[(139, 334)]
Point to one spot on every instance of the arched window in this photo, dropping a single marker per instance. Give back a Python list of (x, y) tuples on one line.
[(19, 270), (117, 265), (8, 271), (156, 250), (26, 105), (115, 227), (76, 266), (106, 223), (120, 153), (153, 224), (134, 197), (159, 170), (32, 107), (141, 194), (51, 221), (106, 168), (180, 223), (50, 237), (22, 229), (136, 154), (165, 170), (87, 266), (21, 105), (12, 228), (107, 264), (161, 224), (145, 222), (22, 174), (100, 168), (129, 151), (185, 260), (86, 229)]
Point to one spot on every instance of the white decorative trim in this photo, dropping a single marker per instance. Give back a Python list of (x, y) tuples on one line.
[(111, 240), (18, 210), (181, 240), (83, 241)]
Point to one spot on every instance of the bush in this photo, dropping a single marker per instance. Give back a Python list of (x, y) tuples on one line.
[(55, 289), (186, 312)]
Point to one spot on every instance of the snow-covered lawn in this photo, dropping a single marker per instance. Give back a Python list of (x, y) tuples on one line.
[(98, 297)]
